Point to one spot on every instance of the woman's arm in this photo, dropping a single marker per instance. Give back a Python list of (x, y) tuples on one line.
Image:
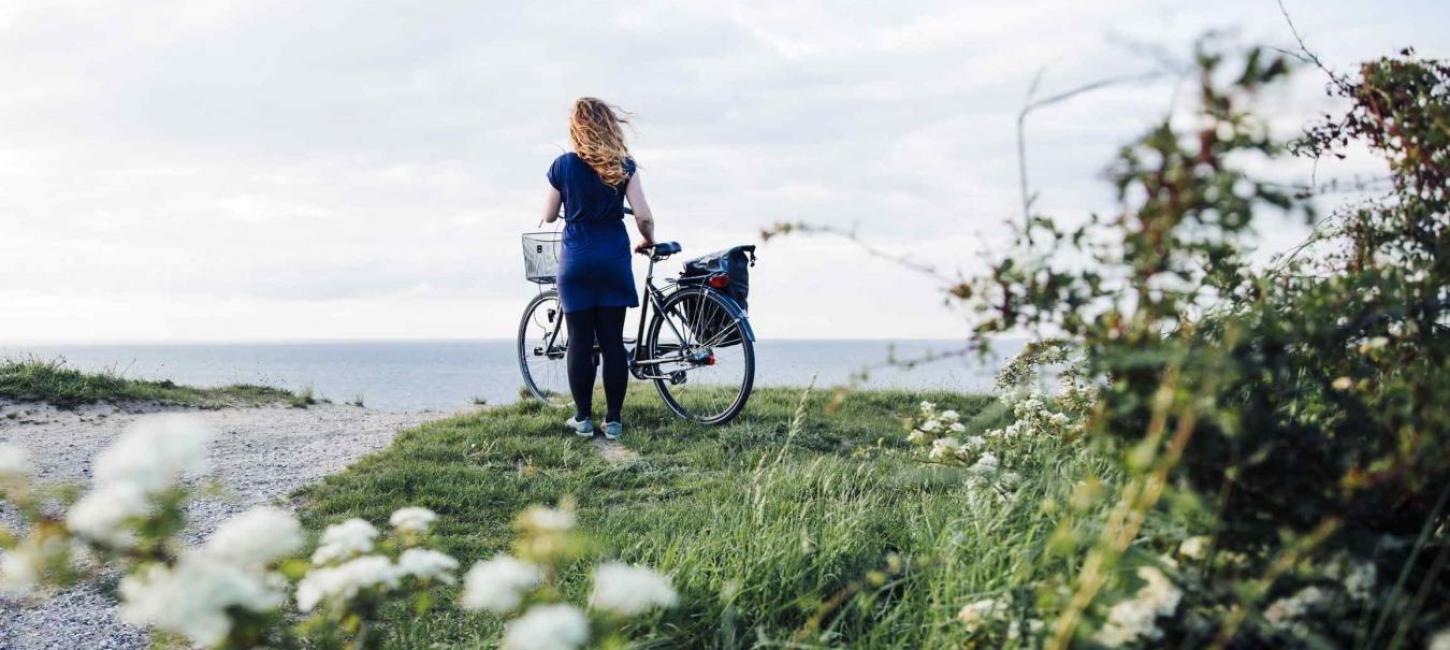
[(551, 207), (643, 218)]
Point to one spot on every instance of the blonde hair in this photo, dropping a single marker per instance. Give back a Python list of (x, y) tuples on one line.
[(597, 137)]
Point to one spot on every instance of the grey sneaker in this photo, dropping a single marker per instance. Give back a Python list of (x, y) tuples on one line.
[(612, 430), (582, 428)]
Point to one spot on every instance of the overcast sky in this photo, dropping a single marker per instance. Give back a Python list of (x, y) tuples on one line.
[(199, 171)]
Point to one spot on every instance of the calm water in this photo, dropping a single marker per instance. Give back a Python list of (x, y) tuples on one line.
[(446, 375)]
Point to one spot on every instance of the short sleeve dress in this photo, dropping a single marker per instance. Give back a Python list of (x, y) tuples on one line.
[(595, 263)]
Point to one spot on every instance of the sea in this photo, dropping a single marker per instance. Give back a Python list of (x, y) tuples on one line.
[(447, 375)]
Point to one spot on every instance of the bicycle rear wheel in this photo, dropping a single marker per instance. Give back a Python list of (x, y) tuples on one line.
[(543, 341), (698, 355)]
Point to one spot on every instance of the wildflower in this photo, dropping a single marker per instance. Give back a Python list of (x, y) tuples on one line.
[(426, 564), (950, 415), (343, 582), (153, 453), (1440, 641), (975, 442), (986, 464), (193, 597), (1343, 383), (255, 538), (540, 518), (345, 540), (14, 461), (928, 408), (979, 613), (1285, 610), (547, 627), (944, 449), (1135, 618), (1374, 344), (628, 590), (412, 520), (1194, 548), (916, 437), (21, 567), (1060, 419), (931, 426), (496, 585), (101, 515), (957, 427)]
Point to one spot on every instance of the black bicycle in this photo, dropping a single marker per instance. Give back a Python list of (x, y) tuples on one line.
[(694, 339)]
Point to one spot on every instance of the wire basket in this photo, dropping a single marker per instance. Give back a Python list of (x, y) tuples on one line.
[(541, 256)]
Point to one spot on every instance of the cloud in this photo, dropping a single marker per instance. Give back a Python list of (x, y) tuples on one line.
[(222, 170)]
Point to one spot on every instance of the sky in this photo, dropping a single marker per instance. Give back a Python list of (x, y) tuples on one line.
[(181, 171)]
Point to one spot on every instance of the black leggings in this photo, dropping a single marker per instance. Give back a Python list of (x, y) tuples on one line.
[(605, 325)]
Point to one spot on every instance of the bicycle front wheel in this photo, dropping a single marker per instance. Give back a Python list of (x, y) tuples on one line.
[(543, 341), (699, 356)]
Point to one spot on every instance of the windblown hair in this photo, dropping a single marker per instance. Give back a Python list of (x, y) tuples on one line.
[(594, 130)]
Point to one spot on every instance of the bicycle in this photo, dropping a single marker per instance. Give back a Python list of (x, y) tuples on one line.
[(688, 346)]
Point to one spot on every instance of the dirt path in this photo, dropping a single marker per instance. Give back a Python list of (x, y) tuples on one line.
[(260, 454)]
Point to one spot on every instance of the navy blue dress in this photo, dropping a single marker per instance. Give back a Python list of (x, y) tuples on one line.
[(595, 260)]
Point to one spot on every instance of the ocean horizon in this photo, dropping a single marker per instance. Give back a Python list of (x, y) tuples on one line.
[(445, 375)]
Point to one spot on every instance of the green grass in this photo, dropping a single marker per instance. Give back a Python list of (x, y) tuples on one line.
[(770, 536), (51, 381)]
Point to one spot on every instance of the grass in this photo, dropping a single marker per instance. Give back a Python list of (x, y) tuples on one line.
[(774, 537), (53, 382)]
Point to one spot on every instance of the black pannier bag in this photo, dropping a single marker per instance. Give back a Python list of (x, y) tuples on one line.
[(735, 264)]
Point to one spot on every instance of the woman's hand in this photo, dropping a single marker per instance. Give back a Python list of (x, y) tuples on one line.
[(644, 246)]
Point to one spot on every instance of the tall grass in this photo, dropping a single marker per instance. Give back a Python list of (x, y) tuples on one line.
[(820, 532)]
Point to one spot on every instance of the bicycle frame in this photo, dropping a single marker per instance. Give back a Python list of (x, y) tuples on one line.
[(653, 295)]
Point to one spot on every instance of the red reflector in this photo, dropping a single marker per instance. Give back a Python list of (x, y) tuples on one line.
[(710, 360), (719, 281)]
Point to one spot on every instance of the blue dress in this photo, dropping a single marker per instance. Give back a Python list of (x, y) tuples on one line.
[(595, 260)]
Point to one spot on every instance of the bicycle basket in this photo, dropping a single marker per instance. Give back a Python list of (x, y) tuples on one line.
[(541, 256)]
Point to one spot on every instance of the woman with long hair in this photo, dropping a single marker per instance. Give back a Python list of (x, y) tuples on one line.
[(596, 281)]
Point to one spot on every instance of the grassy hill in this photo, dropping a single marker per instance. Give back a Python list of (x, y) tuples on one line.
[(827, 533), (53, 382)]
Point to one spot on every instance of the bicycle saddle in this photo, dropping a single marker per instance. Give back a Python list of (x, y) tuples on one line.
[(668, 248)]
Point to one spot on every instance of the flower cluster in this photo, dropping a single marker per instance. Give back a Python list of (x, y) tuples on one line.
[(1032, 418), (990, 616), (523, 586), (1133, 619), (232, 590)]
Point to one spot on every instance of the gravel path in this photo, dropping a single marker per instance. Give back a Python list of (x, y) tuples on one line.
[(260, 454)]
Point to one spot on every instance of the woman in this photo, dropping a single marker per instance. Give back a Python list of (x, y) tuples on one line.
[(596, 281)]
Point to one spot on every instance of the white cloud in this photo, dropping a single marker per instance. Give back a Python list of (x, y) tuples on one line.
[(252, 170)]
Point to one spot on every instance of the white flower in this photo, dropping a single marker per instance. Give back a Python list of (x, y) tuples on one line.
[(1284, 610), (495, 585), (927, 408), (957, 427), (987, 464), (19, 569), (101, 514), (1374, 344), (427, 564), (977, 614), (931, 426), (192, 598), (916, 437), (1343, 383), (1440, 641), (950, 415), (547, 519), (1060, 419), (14, 460), (1134, 618), (976, 442), (256, 537), (1193, 548), (547, 627), (342, 583), (154, 452), (944, 448), (413, 520), (628, 590), (1359, 584), (344, 540)]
